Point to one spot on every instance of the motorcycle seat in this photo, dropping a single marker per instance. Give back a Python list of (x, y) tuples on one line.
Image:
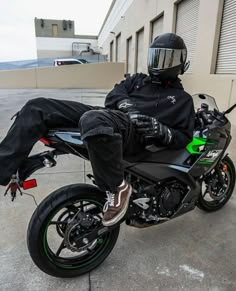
[(151, 153), (64, 129)]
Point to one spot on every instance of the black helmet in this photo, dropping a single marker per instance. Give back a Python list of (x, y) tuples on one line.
[(167, 57)]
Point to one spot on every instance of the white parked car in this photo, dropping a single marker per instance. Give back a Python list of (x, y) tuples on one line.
[(62, 62)]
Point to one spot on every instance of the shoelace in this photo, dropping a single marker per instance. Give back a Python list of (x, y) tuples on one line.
[(110, 201)]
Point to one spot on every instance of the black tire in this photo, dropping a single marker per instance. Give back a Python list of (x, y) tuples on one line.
[(229, 176), (38, 232)]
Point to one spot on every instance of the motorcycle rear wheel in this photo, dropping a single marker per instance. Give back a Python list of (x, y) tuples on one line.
[(52, 228), (218, 200)]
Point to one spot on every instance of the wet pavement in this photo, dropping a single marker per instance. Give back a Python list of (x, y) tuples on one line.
[(197, 251)]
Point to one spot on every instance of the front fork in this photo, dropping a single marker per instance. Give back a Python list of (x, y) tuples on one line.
[(219, 167)]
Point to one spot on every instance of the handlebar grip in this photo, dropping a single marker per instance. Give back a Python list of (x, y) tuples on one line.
[(205, 117)]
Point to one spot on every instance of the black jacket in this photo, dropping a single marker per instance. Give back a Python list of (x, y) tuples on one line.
[(167, 102)]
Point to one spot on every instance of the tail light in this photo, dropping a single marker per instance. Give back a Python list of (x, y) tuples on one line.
[(45, 141)]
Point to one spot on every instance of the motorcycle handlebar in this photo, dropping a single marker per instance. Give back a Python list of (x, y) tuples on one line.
[(230, 109), (205, 118)]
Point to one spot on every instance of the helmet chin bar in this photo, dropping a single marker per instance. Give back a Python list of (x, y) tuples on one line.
[(166, 74)]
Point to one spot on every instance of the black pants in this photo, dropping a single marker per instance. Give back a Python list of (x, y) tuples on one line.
[(108, 134)]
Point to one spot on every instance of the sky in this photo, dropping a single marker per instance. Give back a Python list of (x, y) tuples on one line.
[(17, 34)]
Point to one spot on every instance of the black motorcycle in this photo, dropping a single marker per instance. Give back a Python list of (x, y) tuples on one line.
[(66, 236)]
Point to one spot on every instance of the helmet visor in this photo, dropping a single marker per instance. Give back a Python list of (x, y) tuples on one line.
[(162, 58)]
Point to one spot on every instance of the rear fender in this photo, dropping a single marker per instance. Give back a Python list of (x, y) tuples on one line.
[(35, 163)]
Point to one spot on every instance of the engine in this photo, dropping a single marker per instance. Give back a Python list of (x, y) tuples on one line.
[(170, 199), (155, 203)]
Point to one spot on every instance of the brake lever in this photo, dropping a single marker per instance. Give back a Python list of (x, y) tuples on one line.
[(215, 117)]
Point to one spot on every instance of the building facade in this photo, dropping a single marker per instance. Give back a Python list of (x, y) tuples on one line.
[(56, 38), (208, 28)]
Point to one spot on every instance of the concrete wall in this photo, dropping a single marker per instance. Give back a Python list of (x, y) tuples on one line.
[(223, 88), (92, 76), (115, 16)]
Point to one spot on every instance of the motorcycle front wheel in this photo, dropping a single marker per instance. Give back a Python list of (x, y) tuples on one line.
[(66, 214), (216, 191)]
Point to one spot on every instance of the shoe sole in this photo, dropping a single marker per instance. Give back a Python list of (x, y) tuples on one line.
[(121, 214)]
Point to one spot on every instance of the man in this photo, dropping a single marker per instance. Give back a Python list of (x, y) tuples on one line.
[(141, 110)]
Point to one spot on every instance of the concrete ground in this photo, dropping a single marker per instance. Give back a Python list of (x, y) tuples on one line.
[(194, 252)]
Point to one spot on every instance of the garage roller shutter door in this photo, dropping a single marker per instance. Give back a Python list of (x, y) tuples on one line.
[(226, 60), (187, 26), (118, 48), (139, 61), (157, 27), (129, 56)]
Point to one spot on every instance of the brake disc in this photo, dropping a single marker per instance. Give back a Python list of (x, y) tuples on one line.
[(218, 191), (78, 226)]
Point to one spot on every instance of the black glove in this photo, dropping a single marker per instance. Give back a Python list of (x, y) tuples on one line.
[(127, 106), (151, 128)]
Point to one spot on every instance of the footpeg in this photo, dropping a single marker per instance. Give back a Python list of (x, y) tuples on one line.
[(138, 223), (91, 177)]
